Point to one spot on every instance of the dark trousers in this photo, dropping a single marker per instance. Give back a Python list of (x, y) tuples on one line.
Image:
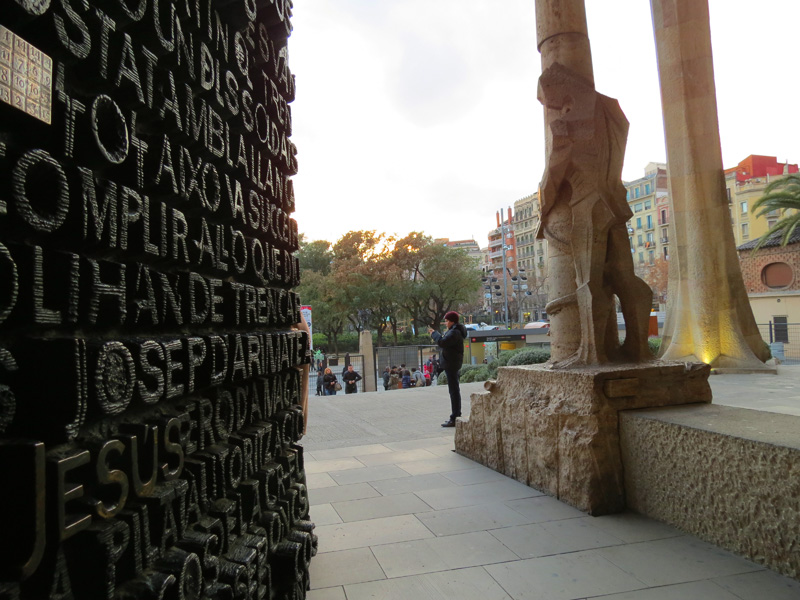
[(455, 393)]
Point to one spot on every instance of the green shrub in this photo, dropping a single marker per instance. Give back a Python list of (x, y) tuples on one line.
[(481, 373), (492, 369), (347, 342), (466, 369), (442, 379), (769, 350), (472, 373), (655, 345), (467, 376), (503, 358), (529, 356)]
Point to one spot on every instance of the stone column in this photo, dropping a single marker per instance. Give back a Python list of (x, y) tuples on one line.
[(709, 318), (561, 37), (366, 350)]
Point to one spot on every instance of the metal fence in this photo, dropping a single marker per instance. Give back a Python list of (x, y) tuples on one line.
[(338, 365), (394, 356), (783, 339)]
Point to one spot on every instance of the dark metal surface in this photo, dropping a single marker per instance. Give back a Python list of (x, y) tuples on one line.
[(149, 383)]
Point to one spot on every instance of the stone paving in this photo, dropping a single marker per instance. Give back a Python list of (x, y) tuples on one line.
[(401, 516)]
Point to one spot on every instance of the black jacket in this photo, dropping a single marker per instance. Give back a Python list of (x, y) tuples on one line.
[(351, 378), (452, 345)]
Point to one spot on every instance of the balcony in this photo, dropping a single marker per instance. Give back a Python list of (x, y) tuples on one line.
[(665, 240)]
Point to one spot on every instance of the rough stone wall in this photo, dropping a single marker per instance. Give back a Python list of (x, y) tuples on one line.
[(149, 365), (557, 430), (730, 476), (752, 265)]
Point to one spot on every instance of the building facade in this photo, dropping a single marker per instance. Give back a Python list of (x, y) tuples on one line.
[(526, 218), (470, 246), (648, 228), (496, 243), (745, 184), (772, 280)]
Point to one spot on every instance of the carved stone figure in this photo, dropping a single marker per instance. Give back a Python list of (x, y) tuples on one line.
[(583, 203)]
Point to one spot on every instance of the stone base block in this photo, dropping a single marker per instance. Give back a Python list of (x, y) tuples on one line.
[(730, 476), (558, 430)]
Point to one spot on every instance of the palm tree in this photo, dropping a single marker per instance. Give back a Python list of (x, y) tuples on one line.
[(781, 194)]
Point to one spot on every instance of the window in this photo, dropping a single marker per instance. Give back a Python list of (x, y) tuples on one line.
[(666, 253), (648, 204), (649, 221), (781, 329), (640, 239), (651, 237), (777, 275), (641, 258), (744, 207), (646, 188), (651, 256), (771, 222), (729, 195), (663, 217), (664, 236), (630, 239), (745, 231), (637, 207), (638, 222), (637, 192)]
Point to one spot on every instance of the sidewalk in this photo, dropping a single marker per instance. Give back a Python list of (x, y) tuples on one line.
[(400, 516)]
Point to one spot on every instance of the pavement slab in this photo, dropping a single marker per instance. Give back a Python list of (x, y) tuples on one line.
[(400, 516)]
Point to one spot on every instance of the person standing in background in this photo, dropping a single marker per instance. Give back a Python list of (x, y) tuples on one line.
[(452, 345), (330, 381), (350, 378), (386, 378)]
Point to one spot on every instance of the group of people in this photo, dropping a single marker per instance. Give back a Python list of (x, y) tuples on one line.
[(395, 378), (328, 384), (451, 343)]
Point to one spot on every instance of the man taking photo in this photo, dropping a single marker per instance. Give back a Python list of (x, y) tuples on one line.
[(452, 345)]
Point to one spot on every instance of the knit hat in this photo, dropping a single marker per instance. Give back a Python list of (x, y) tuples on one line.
[(451, 316)]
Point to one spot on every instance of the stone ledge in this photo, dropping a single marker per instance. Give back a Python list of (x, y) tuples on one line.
[(728, 475), (557, 430)]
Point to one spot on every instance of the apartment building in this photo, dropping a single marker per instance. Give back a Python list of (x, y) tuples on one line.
[(496, 242), (531, 253), (648, 233), (745, 183)]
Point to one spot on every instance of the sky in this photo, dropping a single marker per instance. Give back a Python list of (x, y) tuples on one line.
[(421, 115)]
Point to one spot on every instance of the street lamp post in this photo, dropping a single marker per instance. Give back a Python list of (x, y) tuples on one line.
[(517, 285), (505, 281), (490, 290)]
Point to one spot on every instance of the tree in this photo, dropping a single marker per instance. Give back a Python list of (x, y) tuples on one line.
[(365, 272), (656, 276), (320, 292), (437, 278), (782, 194), (315, 256), (373, 280), (537, 286)]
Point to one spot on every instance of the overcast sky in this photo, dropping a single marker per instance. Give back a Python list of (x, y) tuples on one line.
[(422, 114)]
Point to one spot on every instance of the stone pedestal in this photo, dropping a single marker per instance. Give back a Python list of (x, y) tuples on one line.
[(558, 430), (366, 350)]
